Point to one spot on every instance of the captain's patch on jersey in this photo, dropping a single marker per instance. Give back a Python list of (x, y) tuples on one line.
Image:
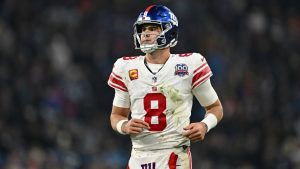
[(133, 74), (181, 70)]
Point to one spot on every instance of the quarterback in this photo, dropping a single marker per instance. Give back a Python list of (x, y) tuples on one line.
[(154, 95)]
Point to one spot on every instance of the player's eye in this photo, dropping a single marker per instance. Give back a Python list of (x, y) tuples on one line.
[(149, 28), (152, 28), (143, 29)]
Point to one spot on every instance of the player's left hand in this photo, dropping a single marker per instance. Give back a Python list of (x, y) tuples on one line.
[(195, 131)]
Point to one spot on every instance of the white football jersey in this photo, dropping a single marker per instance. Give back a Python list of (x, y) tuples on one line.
[(163, 100)]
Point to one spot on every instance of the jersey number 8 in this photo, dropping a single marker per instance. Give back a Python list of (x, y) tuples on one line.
[(155, 105)]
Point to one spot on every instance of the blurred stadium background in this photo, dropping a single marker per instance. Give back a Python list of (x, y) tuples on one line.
[(56, 56)]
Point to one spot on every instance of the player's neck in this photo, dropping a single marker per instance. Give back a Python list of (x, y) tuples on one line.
[(158, 56)]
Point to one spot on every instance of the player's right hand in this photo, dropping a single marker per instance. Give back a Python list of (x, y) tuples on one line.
[(135, 126)]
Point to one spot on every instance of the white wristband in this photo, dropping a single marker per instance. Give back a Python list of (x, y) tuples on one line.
[(210, 120), (119, 126)]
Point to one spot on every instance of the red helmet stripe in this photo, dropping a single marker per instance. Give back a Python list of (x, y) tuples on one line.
[(147, 10)]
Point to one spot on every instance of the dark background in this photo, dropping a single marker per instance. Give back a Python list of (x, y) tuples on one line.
[(56, 56)]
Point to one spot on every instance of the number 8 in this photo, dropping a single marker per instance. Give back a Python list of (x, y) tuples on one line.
[(156, 110)]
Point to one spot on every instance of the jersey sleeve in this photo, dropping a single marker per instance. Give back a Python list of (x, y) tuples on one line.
[(121, 99), (201, 70), (205, 93), (116, 79)]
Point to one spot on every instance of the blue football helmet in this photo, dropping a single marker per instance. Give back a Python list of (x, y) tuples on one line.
[(165, 18)]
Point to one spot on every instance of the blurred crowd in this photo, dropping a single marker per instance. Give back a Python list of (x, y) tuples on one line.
[(56, 56)]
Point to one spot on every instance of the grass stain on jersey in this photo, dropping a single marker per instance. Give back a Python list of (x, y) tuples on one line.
[(176, 98), (170, 92)]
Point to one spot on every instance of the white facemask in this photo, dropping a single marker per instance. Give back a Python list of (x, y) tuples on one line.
[(148, 48)]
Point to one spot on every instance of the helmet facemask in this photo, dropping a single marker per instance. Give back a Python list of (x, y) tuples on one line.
[(159, 43)]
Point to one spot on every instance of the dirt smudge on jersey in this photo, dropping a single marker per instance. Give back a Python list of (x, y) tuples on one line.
[(171, 93)]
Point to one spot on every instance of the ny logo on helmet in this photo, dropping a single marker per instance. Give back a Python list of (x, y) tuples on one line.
[(173, 19)]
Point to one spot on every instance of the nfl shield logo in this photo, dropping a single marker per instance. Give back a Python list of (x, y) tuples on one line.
[(154, 79), (181, 70)]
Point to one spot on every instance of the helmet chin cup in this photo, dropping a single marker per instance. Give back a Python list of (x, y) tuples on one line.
[(148, 48)]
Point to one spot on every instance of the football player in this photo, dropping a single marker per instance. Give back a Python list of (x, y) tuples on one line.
[(156, 90)]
